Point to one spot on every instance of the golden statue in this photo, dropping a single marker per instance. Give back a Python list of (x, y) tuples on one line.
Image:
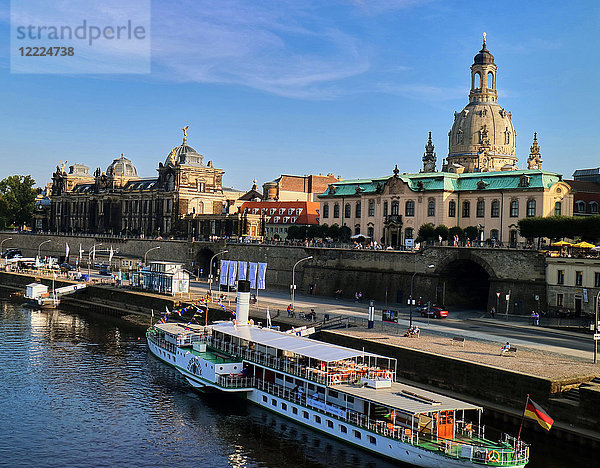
[(484, 36), (172, 155), (62, 167), (185, 133)]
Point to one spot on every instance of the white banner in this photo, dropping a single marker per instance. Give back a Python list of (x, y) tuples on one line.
[(232, 272), (252, 267), (224, 267), (67, 252), (262, 271), (242, 270)]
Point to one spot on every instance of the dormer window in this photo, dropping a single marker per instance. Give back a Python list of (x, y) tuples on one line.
[(524, 181), (332, 189)]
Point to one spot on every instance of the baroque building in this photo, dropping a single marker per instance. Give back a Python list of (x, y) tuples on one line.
[(479, 184), (118, 201)]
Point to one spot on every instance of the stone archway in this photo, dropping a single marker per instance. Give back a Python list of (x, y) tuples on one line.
[(202, 263), (466, 282)]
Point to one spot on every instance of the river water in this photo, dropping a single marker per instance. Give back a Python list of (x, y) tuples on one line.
[(82, 390)]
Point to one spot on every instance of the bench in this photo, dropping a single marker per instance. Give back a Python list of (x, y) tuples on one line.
[(510, 352), (459, 340)]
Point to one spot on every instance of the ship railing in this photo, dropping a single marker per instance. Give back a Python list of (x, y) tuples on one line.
[(228, 381), (161, 343)]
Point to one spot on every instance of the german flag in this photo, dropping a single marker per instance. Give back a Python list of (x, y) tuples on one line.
[(536, 412)]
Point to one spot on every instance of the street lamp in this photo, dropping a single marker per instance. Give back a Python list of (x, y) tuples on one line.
[(596, 330), (40, 247), (93, 249), (149, 250), (294, 278), (410, 301), (210, 276), (2, 243)]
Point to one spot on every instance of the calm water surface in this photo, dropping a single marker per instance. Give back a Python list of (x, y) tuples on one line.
[(82, 390)]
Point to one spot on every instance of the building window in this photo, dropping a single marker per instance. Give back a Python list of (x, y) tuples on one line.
[(597, 280), (557, 208), (395, 207), (580, 206), (466, 209), (370, 231), (325, 210), (495, 209), (409, 233), (410, 208), (480, 208), (578, 278), (357, 209), (494, 234), (560, 277), (347, 211), (559, 300), (530, 208), (357, 229), (336, 211), (385, 208), (594, 207), (452, 209), (431, 208), (514, 209), (371, 207)]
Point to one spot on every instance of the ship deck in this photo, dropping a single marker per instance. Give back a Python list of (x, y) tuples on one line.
[(211, 355)]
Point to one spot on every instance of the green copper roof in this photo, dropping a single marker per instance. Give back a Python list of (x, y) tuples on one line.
[(430, 181)]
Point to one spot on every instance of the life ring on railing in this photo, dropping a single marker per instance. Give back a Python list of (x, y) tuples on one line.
[(493, 456), (388, 375), (335, 379)]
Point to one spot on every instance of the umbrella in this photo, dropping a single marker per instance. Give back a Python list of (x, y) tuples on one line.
[(356, 236), (584, 245), (561, 244)]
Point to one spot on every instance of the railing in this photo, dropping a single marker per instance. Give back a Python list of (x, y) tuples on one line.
[(228, 381)]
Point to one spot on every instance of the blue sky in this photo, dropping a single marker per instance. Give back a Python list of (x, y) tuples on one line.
[(297, 87)]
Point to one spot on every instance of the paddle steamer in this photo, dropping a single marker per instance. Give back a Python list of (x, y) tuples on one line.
[(342, 392)]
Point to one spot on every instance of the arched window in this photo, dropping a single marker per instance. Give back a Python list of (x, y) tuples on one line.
[(431, 207), (514, 209), (477, 81), (370, 231), (358, 209), (494, 234), (409, 209), (371, 207), (409, 233), (452, 209), (594, 207), (495, 209), (325, 210), (558, 209), (490, 80), (580, 206), (507, 136), (395, 207), (466, 211), (385, 208), (347, 211), (480, 208), (530, 208), (336, 211)]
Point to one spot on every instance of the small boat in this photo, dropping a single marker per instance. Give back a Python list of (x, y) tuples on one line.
[(347, 394)]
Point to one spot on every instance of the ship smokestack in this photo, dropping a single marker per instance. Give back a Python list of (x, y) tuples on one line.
[(243, 302)]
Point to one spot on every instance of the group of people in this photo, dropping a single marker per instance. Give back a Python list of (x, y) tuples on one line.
[(413, 331), (357, 296)]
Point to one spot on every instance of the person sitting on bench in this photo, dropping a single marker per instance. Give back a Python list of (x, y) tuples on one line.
[(505, 348)]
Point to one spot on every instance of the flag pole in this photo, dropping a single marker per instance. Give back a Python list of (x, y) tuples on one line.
[(522, 420)]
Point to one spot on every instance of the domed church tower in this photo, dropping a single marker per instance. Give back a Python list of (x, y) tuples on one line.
[(482, 138)]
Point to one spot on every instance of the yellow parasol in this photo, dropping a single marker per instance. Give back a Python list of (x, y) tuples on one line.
[(561, 244), (584, 245)]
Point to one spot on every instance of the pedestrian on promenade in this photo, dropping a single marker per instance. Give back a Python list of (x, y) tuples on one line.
[(505, 348), (493, 312)]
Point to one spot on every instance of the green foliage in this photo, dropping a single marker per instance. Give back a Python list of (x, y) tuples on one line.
[(426, 232), (472, 232), (557, 227), (17, 197), (441, 231), (456, 230), (345, 233)]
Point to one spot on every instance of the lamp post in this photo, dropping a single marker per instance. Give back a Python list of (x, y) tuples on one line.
[(2, 248), (596, 330), (410, 301), (210, 276), (40, 248), (149, 250), (93, 249), (294, 278)]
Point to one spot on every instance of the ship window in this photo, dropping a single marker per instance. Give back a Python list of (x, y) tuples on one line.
[(265, 398), (294, 410), (311, 386), (317, 419), (343, 429), (356, 433), (373, 440), (284, 406), (333, 394), (349, 399), (305, 414), (330, 424), (273, 401)]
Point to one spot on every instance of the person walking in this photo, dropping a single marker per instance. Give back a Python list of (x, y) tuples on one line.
[(493, 312)]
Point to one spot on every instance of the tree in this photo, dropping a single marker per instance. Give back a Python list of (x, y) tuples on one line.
[(426, 232), (455, 231), (17, 197), (442, 231), (345, 233), (472, 232), (293, 232)]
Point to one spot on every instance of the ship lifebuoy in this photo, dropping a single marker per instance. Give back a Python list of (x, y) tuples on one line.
[(388, 375), (493, 456), (335, 379)]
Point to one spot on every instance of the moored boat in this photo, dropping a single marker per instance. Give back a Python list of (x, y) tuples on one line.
[(347, 394)]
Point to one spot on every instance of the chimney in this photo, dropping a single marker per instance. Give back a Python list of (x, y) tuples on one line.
[(243, 302)]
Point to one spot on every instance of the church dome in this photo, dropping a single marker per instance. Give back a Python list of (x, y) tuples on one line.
[(484, 57), (184, 154), (121, 167)]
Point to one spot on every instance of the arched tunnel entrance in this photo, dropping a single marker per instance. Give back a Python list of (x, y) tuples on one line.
[(202, 263), (465, 284)]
